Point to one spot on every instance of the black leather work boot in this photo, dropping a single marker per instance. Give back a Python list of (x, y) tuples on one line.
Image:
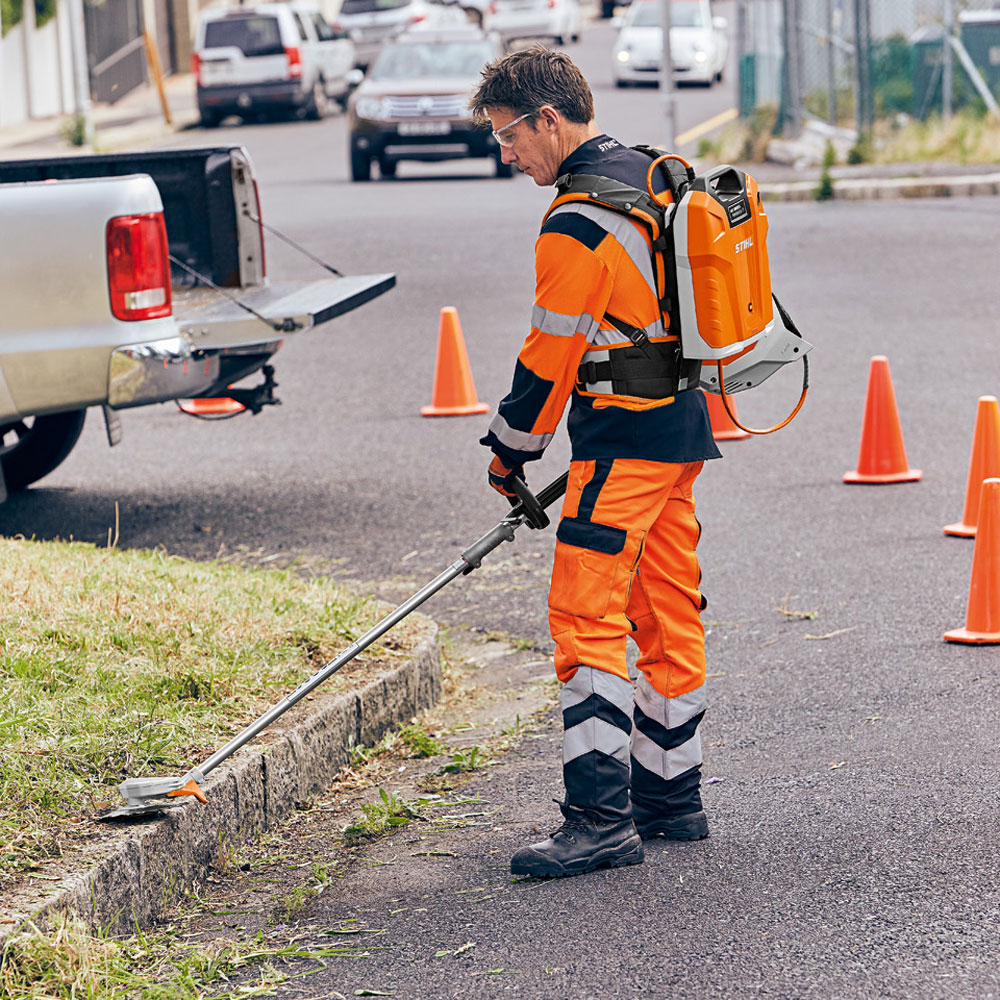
[(689, 826), (582, 844)]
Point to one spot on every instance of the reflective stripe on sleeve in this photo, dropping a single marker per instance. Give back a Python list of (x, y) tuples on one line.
[(561, 325), (518, 440)]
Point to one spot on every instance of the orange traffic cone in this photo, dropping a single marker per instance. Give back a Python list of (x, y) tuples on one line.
[(982, 618), (454, 392), (882, 455), (723, 428), (984, 464), (213, 406)]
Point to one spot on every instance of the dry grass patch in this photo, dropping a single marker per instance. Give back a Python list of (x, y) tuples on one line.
[(966, 138), (119, 664)]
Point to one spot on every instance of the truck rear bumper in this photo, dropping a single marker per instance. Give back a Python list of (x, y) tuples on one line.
[(158, 371), (234, 98)]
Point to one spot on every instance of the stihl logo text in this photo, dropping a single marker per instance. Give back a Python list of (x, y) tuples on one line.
[(744, 245)]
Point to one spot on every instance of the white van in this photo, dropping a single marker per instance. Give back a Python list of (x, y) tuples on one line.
[(270, 57)]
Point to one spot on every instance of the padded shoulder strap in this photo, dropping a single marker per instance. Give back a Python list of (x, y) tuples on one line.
[(612, 194)]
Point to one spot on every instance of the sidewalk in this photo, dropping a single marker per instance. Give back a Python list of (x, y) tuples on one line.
[(131, 123), (137, 120)]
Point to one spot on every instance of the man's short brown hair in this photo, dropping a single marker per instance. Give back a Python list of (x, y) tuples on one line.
[(525, 80)]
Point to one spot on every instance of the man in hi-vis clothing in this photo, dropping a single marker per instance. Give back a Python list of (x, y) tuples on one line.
[(625, 560)]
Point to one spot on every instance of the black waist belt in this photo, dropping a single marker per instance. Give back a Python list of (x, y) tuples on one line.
[(654, 371)]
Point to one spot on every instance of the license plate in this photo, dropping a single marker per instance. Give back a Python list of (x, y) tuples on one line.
[(424, 128)]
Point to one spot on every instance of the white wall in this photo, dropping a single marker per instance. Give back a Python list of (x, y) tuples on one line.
[(44, 71), (36, 69), (13, 79)]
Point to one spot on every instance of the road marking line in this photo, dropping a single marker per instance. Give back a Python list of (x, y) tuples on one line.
[(706, 126)]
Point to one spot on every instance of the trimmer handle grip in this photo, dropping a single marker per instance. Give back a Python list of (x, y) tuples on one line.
[(532, 507)]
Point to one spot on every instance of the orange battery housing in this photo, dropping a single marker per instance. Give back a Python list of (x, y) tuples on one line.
[(723, 277)]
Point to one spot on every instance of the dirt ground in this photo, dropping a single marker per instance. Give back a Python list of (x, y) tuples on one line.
[(495, 694)]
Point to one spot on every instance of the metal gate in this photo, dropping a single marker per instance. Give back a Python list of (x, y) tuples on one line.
[(116, 53), (115, 48)]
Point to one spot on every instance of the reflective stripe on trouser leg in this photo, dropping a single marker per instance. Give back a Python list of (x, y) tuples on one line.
[(666, 751), (597, 720)]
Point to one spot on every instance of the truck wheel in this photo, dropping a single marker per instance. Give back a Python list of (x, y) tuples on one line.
[(210, 119), (33, 447), (361, 166), (387, 168), (607, 8)]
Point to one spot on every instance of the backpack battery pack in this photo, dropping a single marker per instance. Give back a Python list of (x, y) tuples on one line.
[(719, 232)]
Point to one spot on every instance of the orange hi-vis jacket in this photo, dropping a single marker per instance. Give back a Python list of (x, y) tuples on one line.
[(591, 262)]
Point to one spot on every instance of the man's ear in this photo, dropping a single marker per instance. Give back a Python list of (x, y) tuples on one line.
[(550, 117)]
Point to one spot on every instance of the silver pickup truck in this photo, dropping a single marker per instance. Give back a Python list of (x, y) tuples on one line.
[(160, 294)]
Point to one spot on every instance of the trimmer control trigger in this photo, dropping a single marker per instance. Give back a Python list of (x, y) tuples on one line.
[(529, 508)]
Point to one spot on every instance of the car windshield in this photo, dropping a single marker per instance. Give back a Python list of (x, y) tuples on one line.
[(369, 6), (414, 60), (253, 36), (682, 15)]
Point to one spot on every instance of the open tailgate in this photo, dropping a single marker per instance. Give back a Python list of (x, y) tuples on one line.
[(214, 318)]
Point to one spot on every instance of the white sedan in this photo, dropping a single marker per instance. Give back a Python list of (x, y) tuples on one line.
[(561, 20), (698, 43)]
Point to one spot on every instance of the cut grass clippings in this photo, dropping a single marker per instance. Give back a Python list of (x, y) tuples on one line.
[(118, 664), (70, 962)]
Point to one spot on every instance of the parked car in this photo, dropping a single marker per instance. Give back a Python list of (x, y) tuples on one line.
[(272, 57), (414, 102), (698, 44), (155, 290), (560, 20), (371, 23)]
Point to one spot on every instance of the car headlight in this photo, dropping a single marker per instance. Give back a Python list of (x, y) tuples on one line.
[(623, 55), (372, 108), (701, 56)]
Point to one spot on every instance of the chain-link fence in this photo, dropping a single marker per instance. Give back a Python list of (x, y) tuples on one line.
[(853, 63)]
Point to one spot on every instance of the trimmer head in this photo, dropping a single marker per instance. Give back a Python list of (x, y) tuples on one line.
[(145, 796)]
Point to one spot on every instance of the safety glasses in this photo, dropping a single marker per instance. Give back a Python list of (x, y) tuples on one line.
[(505, 136)]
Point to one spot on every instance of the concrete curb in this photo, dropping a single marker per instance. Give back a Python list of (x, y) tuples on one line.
[(869, 189), (142, 872)]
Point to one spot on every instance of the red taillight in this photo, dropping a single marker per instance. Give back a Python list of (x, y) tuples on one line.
[(294, 62), (416, 19), (138, 267), (196, 67)]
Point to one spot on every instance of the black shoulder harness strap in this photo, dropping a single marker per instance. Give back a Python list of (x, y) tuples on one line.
[(641, 207)]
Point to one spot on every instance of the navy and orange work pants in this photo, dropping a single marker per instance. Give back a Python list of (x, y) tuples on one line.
[(626, 566)]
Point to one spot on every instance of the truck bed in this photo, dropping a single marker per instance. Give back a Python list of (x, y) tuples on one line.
[(196, 186)]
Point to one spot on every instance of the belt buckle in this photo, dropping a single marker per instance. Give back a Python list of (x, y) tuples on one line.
[(587, 372)]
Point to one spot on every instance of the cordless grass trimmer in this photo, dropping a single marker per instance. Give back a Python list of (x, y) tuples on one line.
[(150, 795)]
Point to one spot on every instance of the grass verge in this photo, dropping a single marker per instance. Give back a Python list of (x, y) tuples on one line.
[(129, 663)]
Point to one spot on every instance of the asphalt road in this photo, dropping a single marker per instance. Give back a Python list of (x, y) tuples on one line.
[(852, 753)]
